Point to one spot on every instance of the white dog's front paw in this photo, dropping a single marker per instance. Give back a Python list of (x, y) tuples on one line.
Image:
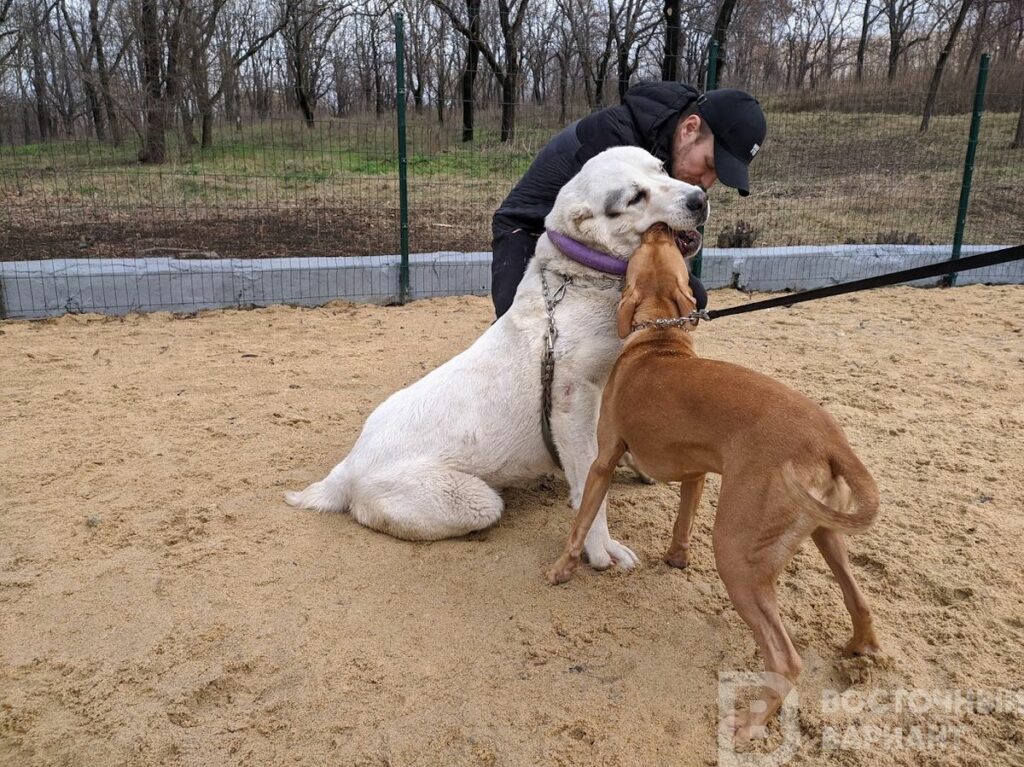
[(604, 554)]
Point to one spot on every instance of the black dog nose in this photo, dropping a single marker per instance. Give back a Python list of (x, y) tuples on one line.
[(696, 200)]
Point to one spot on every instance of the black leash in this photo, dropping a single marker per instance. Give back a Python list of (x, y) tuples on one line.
[(918, 273)]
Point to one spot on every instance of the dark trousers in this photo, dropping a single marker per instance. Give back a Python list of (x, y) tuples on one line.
[(513, 247)]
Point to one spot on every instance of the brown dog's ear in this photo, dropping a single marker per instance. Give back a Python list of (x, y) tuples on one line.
[(627, 308), (683, 298)]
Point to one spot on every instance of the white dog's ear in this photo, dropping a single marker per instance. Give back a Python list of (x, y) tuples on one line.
[(627, 308), (580, 213)]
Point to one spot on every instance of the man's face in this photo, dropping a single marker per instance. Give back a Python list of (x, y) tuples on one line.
[(693, 153)]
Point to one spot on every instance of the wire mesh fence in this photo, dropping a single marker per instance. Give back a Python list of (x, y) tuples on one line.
[(277, 210)]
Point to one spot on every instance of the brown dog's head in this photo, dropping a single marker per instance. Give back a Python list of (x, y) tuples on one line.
[(657, 282)]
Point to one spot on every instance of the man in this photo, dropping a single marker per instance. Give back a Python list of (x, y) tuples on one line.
[(700, 138)]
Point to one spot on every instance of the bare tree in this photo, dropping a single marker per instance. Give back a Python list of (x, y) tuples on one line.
[(103, 70), (670, 56), (538, 40), (722, 21), (10, 32), (940, 64), (160, 77), (563, 56), (902, 17), (471, 68), (417, 49), (239, 42), (635, 24), (442, 63), (84, 58), (68, 66), (510, 19), (866, 20), (310, 24), (1018, 136), (981, 26), (831, 24), (593, 34)]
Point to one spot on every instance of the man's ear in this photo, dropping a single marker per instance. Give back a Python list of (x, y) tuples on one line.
[(690, 124), (627, 308)]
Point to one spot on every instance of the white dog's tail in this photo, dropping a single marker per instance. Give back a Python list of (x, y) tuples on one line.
[(332, 493)]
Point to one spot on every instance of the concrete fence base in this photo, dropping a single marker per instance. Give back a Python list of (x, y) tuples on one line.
[(35, 289)]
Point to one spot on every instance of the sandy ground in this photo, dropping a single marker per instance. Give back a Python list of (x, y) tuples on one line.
[(159, 603)]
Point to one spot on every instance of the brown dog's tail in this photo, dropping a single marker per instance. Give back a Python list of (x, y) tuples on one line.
[(854, 489)]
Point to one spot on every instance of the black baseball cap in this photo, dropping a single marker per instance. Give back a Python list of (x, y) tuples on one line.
[(737, 122)]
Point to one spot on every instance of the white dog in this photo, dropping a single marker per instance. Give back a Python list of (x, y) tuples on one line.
[(430, 459)]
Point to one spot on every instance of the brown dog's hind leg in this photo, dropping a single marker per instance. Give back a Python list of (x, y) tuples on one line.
[(833, 548), (690, 490), (594, 492), (749, 570)]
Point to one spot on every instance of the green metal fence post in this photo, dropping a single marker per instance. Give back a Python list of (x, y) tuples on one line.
[(710, 83), (403, 164), (972, 147), (712, 78)]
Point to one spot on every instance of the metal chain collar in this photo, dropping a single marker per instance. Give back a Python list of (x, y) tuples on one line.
[(691, 320), (547, 372)]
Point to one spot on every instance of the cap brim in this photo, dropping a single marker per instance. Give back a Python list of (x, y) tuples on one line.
[(730, 170)]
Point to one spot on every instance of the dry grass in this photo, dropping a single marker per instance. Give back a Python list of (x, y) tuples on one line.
[(823, 177)]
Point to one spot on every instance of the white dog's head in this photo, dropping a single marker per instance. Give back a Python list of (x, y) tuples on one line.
[(621, 193)]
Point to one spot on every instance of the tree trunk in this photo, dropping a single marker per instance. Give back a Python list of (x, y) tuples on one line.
[(187, 122), (472, 65), (980, 27), (103, 73), (1018, 136), (206, 114), (894, 60), (417, 81), (95, 110), (721, 32), (895, 39), (862, 44), (940, 65), (508, 106), (670, 58), (417, 96), (230, 88), (599, 77), (305, 105), (39, 85), (302, 97), (441, 94), (622, 70), (563, 90), (154, 143)]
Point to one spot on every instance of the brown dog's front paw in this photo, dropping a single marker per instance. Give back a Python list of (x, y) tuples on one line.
[(562, 571), (678, 558), (746, 727), (863, 645)]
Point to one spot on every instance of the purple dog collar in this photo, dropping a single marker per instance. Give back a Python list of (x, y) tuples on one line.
[(580, 253)]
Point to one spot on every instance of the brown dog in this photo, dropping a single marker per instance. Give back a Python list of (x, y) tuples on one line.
[(787, 469)]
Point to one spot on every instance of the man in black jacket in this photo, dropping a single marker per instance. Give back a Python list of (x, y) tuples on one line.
[(700, 138)]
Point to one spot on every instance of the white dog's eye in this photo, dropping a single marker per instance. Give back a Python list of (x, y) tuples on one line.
[(640, 196)]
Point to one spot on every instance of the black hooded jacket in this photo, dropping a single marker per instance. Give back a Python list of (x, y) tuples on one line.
[(647, 118)]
